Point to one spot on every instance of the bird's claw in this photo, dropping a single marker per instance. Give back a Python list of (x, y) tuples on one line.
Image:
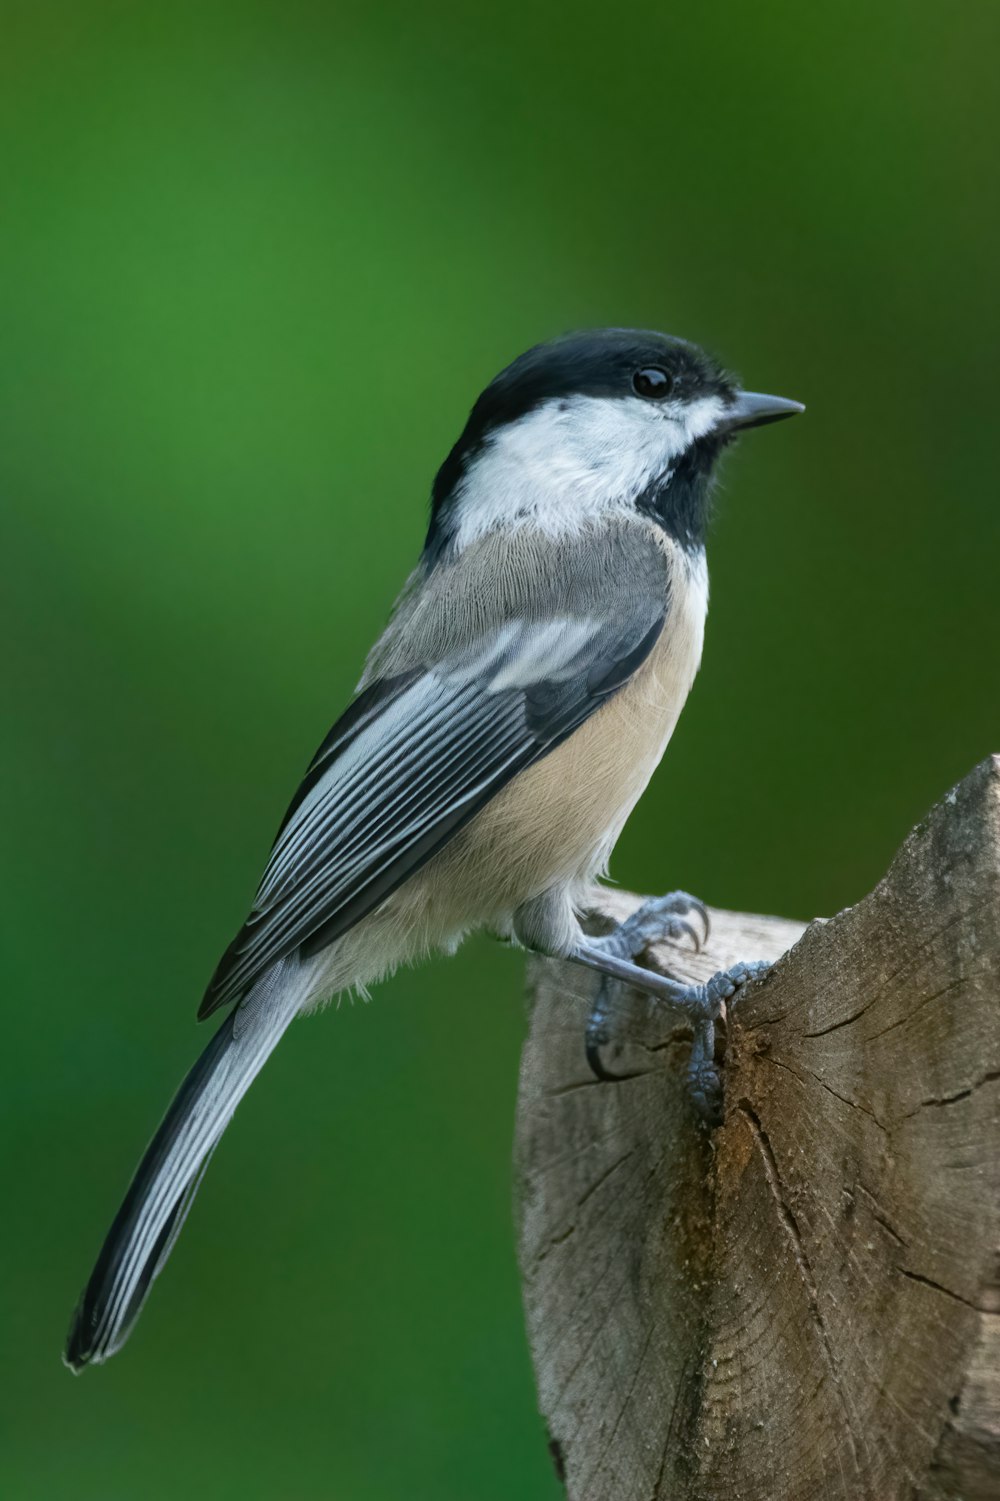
[(662, 918), (703, 1006)]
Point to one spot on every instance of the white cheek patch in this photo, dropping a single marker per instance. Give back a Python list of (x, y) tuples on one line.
[(699, 417), (573, 460)]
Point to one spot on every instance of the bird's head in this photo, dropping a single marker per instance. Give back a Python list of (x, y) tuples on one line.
[(593, 423)]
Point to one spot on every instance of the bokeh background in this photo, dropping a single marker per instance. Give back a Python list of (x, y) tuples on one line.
[(255, 262)]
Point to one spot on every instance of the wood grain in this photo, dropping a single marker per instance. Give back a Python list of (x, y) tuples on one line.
[(806, 1302)]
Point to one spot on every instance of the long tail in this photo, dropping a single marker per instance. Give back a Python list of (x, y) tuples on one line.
[(167, 1178)]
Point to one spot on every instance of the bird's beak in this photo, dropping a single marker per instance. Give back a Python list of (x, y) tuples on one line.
[(751, 409)]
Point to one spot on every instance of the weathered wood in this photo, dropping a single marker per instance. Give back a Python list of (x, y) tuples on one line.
[(805, 1303)]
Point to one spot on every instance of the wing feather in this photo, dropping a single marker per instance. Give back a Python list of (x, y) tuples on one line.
[(413, 760)]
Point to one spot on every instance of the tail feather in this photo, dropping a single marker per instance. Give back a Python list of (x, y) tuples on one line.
[(166, 1180)]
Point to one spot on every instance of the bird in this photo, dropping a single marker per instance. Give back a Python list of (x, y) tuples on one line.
[(506, 723)]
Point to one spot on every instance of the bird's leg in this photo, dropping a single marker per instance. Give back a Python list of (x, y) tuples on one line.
[(614, 955)]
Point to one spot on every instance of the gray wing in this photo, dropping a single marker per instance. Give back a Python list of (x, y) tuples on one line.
[(415, 757), (418, 757), (409, 764)]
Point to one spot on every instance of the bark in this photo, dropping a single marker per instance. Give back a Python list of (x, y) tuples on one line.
[(804, 1303)]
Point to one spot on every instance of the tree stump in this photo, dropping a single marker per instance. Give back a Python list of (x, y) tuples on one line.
[(805, 1303)]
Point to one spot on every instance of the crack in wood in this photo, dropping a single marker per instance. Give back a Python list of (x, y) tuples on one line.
[(888, 981), (605, 1451), (900, 1021), (559, 1090), (789, 1223), (880, 1217), (603, 1177), (598, 1330), (952, 1099), (549, 1165), (844, 1099), (554, 1241), (948, 1292), (597, 1281)]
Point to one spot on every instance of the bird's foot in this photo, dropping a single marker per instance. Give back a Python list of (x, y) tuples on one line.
[(661, 919), (703, 1071), (614, 957)]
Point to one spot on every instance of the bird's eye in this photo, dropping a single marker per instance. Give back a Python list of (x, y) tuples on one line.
[(652, 382)]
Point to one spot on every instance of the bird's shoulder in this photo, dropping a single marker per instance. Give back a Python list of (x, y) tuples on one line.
[(526, 575)]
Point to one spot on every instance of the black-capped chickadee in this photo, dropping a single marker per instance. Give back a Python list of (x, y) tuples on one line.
[(506, 723)]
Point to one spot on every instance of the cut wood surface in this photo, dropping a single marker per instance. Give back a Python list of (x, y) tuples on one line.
[(804, 1303)]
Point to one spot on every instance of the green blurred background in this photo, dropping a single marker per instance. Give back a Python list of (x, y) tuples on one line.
[(255, 262)]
